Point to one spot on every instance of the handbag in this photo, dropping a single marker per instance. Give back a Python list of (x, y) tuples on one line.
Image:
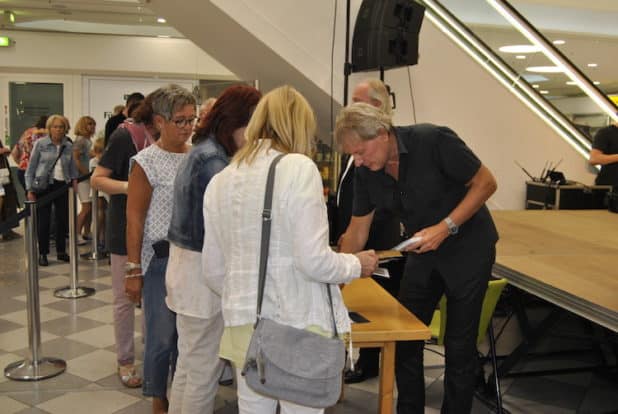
[(286, 363), (40, 183)]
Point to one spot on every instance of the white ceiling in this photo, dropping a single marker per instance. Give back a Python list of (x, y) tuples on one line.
[(588, 26)]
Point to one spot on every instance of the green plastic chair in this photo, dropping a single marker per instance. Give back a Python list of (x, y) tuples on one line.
[(438, 328)]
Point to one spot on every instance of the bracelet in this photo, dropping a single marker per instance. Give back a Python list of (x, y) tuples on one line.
[(131, 266), (131, 276)]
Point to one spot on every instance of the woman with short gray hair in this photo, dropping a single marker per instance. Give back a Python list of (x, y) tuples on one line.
[(149, 211)]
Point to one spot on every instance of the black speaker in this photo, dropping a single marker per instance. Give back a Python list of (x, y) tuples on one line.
[(386, 34)]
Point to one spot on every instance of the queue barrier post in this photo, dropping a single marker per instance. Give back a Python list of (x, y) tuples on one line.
[(73, 291), (37, 367)]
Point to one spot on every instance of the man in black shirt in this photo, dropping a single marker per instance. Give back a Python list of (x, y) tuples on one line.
[(385, 228), (604, 152), (112, 123), (439, 187)]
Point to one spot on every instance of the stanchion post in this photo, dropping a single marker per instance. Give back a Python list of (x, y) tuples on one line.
[(36, 368), (95, 254), (73, 291)]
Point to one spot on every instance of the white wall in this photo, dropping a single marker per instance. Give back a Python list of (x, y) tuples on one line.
[(75, 59), (448, 88)]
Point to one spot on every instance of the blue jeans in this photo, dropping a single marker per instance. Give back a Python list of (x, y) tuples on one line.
[(160, 349)]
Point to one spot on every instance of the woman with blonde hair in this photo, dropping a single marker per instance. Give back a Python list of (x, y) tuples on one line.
[(84, 130), (300, 260)]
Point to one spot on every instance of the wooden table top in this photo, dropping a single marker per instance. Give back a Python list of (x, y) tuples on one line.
[(388, 319), (574, 252)]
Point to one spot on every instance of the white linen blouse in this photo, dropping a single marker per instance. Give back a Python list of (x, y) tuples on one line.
[(300, 260)]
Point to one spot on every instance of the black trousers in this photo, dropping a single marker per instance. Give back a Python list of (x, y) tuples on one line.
[(369, 358), (463, 279), (61, 209)]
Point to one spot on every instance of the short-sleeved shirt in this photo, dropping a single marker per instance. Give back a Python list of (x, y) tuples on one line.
[(606, 141), (434, 167), (160, 167), (83, 146), (116, 158)]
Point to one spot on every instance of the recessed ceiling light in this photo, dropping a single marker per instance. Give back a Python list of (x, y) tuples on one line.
[(572, 83), (543, 92), (544, 69), (164, 36), (161, 20), (592, 65), (596, 82), (558, 42), (520, 49), (520, 57), (535, 86)]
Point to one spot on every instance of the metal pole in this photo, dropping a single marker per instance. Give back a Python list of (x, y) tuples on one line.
[(73, 291), (95, 254), (36, 368)]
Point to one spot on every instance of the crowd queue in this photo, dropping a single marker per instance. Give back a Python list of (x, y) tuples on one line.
[(184, 194)]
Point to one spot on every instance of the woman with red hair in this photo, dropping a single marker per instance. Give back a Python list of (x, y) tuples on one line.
[(198, 309)]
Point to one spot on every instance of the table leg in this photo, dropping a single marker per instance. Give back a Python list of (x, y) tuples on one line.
[(387, 378)]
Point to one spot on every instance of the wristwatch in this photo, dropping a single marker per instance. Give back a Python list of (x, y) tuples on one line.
[(452, 227), (132, 266)]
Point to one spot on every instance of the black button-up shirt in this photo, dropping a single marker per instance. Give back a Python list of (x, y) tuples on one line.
[(434, 167)]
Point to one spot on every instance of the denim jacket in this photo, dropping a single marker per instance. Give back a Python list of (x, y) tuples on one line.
[(204, 161), (42, 158)]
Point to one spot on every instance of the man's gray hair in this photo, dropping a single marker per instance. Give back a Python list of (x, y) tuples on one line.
[(379, 92), (364, 119)]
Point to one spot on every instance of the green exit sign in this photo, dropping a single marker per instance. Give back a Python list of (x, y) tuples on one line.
[(5, 41)]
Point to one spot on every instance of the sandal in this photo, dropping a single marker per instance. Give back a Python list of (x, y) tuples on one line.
[(128, 376)]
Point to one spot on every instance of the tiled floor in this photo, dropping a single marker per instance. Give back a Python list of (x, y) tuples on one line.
[(81, 332)]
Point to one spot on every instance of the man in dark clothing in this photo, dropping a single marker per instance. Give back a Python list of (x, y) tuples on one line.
[(439, 187), (604, 152), (384, 232), (112, 123)]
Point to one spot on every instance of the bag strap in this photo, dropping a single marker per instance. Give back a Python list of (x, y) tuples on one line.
[(265, 246), (56, 160)]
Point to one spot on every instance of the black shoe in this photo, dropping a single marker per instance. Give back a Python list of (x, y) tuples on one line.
[(10, 235), (43, 260), (358, 375), (63, 257)]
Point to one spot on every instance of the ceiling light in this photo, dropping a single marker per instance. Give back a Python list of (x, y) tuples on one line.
[(535, 86), (558, 42), (572, 83), (5, 41), (596, 82), (520, 49), (543, 92), (161, 20), (164, 36), (520, 57), (592, 65), (544, 69)]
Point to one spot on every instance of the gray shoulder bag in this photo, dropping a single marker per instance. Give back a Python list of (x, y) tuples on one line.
[(287, 363)]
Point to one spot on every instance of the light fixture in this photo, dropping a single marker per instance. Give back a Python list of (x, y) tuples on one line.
[(5, 41), (596, 82), (519, 49), (520, 57), (163, 36), (544, 69), (8, 18), (161, 20), (535, 86), (592, 65), (543, 92), (513, 82), (558, 42), (517, 21)]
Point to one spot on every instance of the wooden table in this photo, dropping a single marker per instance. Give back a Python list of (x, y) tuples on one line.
[(567, 257), (388, 322)]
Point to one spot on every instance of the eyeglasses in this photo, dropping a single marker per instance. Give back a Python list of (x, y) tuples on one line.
[(181, 123)]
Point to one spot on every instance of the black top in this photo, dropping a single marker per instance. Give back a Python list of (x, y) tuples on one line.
[(434, 167), (385, 229), (116, 158), (606, 141), (112, 124)]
